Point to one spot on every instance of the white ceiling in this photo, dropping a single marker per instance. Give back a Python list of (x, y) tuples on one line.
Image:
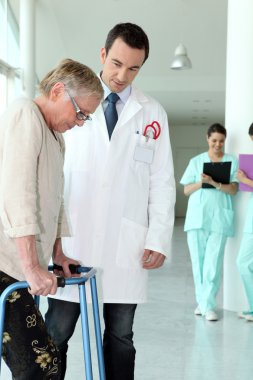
[(78, 28)]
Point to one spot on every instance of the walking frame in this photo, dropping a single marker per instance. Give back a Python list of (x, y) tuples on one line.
[(87, 274)]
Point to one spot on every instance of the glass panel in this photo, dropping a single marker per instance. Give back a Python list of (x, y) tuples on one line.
[(10, 84), (13, 57), (9, 41), (3, 33), (3, 93), (17, 87)]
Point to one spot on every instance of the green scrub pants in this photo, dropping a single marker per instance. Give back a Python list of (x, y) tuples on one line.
[(245, 266), (207, 253)]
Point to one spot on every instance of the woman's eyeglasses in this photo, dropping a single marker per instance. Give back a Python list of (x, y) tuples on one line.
[(79, 114)]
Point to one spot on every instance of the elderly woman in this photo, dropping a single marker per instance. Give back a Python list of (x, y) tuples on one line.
[(209, 220), (31, 208)]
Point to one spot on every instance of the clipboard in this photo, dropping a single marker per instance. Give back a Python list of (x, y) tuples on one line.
[(246, 164), (219, 171)]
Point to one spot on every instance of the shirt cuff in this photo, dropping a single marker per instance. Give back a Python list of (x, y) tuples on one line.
[(20, 231)]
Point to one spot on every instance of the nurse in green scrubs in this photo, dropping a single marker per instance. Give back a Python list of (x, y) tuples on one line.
[(209, 220), (245, 256)]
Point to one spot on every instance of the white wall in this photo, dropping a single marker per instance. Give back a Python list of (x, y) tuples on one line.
[(49, 44), (187, 141), (239, 115)]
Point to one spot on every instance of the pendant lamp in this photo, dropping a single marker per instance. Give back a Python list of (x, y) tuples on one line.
[(181, 60)]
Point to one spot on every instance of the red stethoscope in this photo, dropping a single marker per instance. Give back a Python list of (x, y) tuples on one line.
[(152, 130)]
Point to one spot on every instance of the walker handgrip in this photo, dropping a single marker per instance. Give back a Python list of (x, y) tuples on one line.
[(60, 282), (72, 267)]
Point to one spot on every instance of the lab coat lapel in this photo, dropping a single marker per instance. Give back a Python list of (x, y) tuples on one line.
[(129, 111), (132, 106), (99, 124)]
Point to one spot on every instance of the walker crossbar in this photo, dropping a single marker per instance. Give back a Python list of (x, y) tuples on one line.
[(87, 273)]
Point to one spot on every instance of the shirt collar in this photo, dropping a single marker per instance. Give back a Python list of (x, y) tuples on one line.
[(123, 95)]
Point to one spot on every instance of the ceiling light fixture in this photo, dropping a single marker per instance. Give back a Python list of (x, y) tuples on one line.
[(181, 60)]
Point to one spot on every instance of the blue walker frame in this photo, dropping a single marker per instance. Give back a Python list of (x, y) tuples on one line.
[(88, 274)]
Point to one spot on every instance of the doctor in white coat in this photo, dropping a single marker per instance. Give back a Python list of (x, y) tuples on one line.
[(121, 195)]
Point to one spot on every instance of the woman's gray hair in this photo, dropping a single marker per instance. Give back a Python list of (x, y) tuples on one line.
[(78, 79)]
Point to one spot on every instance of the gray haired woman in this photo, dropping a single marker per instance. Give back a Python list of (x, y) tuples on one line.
[(32, 217)]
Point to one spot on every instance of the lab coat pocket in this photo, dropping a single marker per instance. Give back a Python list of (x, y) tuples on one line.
[(146, 142), (144, 150), (131, 244)]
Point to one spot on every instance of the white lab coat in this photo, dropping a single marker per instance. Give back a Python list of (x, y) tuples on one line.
[(118, 206)]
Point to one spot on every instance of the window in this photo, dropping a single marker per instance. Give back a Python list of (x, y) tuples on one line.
[(3, 93), (9, 45), (10, 83)]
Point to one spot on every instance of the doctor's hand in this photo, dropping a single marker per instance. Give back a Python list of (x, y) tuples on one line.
[(59, 258), (152, 259)]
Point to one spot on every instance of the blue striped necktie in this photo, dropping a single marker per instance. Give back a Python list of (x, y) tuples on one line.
[(111, 115)]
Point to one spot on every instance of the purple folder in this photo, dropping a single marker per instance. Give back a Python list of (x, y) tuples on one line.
[(246, 164)]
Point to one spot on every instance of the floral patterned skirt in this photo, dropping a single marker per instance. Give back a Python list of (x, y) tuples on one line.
[(28, 350)]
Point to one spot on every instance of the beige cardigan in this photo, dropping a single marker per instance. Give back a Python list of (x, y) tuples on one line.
[(31, 184)]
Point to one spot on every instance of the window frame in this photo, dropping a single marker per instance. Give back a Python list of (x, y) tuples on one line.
[(12, 74)]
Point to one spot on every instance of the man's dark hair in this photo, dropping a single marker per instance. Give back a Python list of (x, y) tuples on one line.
[(251, 130), (131, 34)]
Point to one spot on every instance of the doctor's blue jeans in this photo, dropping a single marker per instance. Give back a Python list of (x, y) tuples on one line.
[(119, 351)]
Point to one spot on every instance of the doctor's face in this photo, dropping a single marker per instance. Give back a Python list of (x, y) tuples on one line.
[(120, 65)]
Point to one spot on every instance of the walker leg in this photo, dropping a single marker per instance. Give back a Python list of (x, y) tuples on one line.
[(2, 313), (97, 326), (37, 300), (85, 331)]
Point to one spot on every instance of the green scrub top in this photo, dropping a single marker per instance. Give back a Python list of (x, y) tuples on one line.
[(209, 209)]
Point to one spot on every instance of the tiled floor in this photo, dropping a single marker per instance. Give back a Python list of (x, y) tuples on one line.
[(173, 344)]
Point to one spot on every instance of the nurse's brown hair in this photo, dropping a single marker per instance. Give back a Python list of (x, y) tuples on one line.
[(216, 128)]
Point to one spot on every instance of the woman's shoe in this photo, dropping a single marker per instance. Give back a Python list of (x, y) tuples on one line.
[(197, 311), (211, 315), (248, 315)]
